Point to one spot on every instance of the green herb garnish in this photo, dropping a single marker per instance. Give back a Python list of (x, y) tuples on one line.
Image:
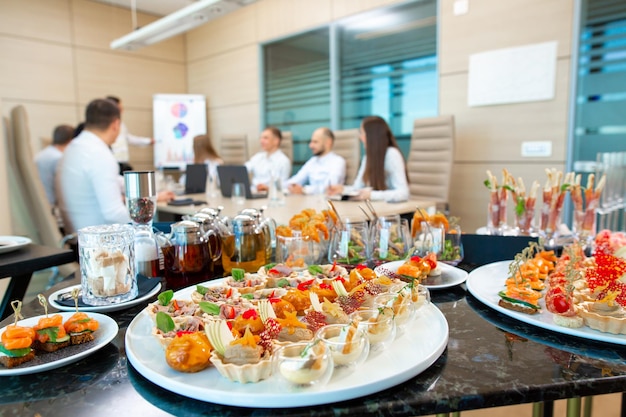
[(315, 269), (269, 266), (282, 283), (165, 297), (202, 290), (209, 308), (238, 274), (248, 296), (503, 295), (164, 322)]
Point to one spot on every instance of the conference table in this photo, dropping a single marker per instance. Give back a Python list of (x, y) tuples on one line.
[(348, 210), (490, 360)]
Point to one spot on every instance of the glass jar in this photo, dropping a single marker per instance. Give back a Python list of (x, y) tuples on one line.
[(107, 264)]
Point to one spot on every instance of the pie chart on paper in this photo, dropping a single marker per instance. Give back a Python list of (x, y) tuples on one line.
[(179, 110), (180, 130)]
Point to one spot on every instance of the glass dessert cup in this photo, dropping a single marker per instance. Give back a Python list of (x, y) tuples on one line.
[(401, 304), (390, 238), (350, 244), (379, 326), (418, 294), (298, 252), (349, 345), (303, 365)]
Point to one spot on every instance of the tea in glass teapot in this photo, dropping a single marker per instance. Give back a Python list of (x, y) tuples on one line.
[(243, 244), (268, 225), (187, 256), (211, 226)]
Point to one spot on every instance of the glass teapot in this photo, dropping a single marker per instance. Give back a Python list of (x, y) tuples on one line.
[(211, 227), (187, 256), (268, 225), (243, 244)]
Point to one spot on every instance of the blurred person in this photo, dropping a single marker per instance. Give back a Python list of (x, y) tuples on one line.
[(378, 178), (270, 161), (323, 169), (48, 158), (204, 153), (124, 138), (89, 187)]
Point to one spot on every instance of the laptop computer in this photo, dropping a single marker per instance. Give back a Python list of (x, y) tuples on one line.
[(231, 174), (195, 178)]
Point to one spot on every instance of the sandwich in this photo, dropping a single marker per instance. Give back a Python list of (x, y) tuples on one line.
[(80, 328), (16, 346), (50, 334)]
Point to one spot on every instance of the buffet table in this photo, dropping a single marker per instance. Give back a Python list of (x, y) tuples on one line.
[(293, 204), (491, 360)]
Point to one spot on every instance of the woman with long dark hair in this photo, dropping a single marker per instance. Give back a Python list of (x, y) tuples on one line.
[(382, 174)]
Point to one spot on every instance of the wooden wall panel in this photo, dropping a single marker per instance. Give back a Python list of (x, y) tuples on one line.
[(46, 20), (496, 132), (469, 196), (278, 18), (134, 79), (5, 207), (343, 8), (33, 70), (236, 119), (495, 24), (229, 78), (235, 30), (44, 117), (97, 24)]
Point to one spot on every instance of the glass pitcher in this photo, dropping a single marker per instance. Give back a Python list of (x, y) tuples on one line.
[(243, 244), (187, 256)]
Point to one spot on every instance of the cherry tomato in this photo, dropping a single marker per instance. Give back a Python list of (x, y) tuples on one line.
[(561, 304)]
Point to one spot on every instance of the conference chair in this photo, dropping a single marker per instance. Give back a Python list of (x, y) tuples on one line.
[(347, 145), (431, 155), (286, 144), (21, 224), (47, 232), (233, 149)]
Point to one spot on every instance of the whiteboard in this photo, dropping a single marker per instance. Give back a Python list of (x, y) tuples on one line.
[(178, 118), (512, 75)]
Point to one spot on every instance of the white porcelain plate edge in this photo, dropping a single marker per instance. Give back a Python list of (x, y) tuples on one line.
[(11, 243), (106, 332), (485, 282), (410, 354), (451, 275), (101, 309)]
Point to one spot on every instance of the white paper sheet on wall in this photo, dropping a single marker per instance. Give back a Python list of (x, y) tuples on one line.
[(512, 75)]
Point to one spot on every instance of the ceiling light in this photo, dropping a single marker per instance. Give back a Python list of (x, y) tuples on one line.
[(178, 22)]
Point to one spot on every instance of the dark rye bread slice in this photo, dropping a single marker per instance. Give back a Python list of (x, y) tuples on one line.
[(517, 307), (50, 346), (11, 362), (78, 338)]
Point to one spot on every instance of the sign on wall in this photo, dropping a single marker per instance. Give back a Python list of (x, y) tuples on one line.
[(512, 75), (178, 118)]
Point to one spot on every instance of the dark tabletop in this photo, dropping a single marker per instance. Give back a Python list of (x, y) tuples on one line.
[(491, 360)]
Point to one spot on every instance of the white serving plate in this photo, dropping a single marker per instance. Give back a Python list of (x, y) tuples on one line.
[(52, 300), (410, 354), (106, 332), (450, 275), (485, 282), (11, 243)]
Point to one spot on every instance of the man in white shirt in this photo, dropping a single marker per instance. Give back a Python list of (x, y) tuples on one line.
[(323, 169), (89, 187), (48, 158), (124, 138), (270, 162)]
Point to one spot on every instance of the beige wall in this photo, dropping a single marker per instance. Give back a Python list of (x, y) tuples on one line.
[(56, 58), (490, 137), (223, 64)]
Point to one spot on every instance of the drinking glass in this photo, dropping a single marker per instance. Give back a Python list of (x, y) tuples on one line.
[(350, 244), (238, 194), (452, 246), (391, 239), (298, 251), (429, 239), (107, 264)]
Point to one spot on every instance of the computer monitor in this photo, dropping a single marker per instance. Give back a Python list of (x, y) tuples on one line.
[(231, 174)]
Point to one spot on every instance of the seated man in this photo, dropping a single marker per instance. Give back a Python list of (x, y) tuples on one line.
[(323, 169), (48, 158), (269, 162), (89, 187)]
